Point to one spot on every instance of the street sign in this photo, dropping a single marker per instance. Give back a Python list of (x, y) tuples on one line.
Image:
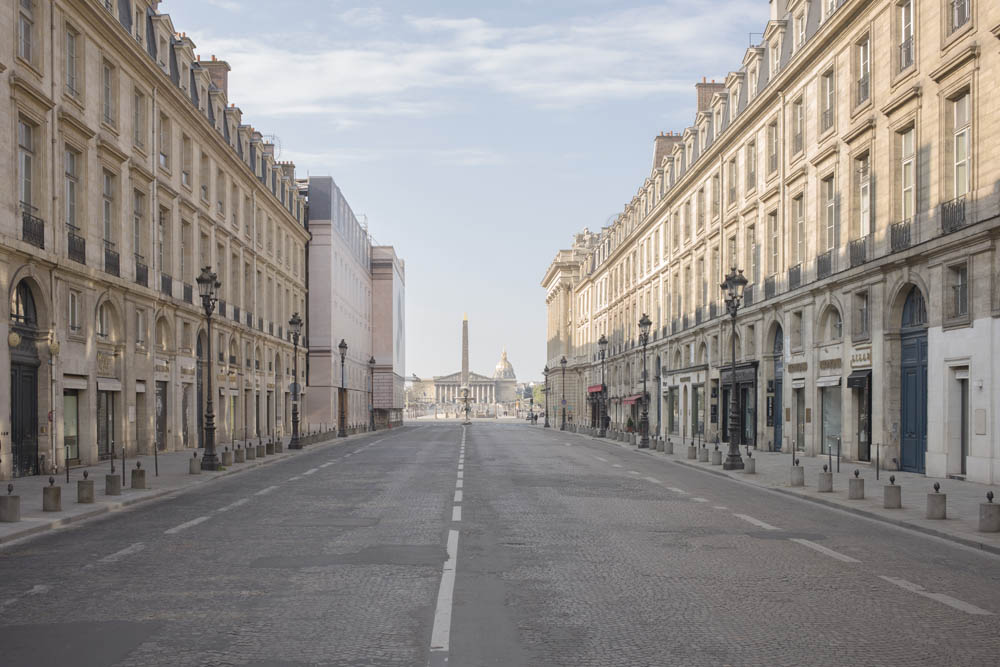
[(564, 402), (294, 387)]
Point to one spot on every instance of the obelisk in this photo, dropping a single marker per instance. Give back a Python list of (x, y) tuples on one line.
[(465, 349)]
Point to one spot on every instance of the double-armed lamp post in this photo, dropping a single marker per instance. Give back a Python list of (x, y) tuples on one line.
[(371, 393), (562, 362), (733, 289), (545, 371), (602, 346), (644, 324), (295, 328), (208, 288), (342, 417)]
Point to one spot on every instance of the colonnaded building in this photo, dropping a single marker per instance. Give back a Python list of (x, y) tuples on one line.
[(126, 171), (848, 167)]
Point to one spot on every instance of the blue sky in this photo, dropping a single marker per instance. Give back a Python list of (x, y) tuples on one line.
[(477, 138)]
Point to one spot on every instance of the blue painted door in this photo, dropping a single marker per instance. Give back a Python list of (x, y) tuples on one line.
[(913, 385)]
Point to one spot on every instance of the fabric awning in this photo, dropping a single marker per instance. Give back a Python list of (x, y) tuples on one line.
[(594, 388), (859, 379), (828, 381), (140, 386), (629, 400), (798, 383)]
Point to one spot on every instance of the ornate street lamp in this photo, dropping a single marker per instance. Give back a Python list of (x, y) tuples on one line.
[(465, 401), (602, 346), (342, 417), (562, 362), (208, 288), (644, 324), (371, 393), (295, 328), (545, 371), (733, 289)]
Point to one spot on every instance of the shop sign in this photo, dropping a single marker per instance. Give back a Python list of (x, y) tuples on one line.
[(800, 367), (861, 358), (106, 365), (830, 364)]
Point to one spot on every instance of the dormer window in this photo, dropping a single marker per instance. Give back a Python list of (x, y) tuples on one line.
[(753, 84), (775, 57), (800, 30), (184, 78)]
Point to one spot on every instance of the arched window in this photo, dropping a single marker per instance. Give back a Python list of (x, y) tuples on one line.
[(914, 310), (22, 306), (104, 320), (832, 324)]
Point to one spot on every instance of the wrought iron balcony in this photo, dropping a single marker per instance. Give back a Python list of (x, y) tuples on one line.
[(748, 296), (698, 314), (222, 308), (824, 265), (166, 284), (770, 287), (112, 263), (188, 293), (864, 89), (899, 236), (959, 14), (795, 276), (906, 54), (713, 310), (859, 251), (826, 120), (249, 319), (236, 313), (32, 227), (953, 215), (76, 245), (141, 272)]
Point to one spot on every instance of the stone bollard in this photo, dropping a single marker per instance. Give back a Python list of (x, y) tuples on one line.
[(112, 485), (251, 452), (261, 450), (269, 448), (240, 454), (692, 452), (856, 487), (668, 447), (825, 481), (194, 465), (703, 455), (85, 490), (937, 503), (227, 457), (279, 446), (798, 477), (892, 495), (52, 497), (750, 465), (717, 456), (989, 515), (659, 445), (139, 477), (10, 506)]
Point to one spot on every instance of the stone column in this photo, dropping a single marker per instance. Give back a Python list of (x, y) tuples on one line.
[(465, 350)]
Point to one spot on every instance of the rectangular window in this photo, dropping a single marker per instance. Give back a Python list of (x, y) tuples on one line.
[(959, 14), (140, 326), (74, 310), (72, 62), (799, 211), (774, 242), (960, 290), (798, 126), (701, 209), (772, 147), (960, 113), (108, 92), (751, 156), (905, 14), (26, 163), (907, 174), (861, 314), (162, 239), (187, 159), (828, 92), (138, 118), (864, 52), (108, 206), (164, 142), (25, 30), (716, 195), (732, 182), (800, 30), (72, 179), (138, 225), (864, 196), (732, 250), (829, 213), (752, 255)]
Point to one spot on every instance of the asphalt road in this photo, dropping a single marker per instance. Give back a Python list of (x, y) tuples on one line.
[(523, 546)]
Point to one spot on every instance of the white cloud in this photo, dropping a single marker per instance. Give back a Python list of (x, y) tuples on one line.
[(228, 5), (442, 157), (363, 17)]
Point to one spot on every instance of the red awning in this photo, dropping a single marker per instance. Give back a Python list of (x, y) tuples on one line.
[(594, 388), (632, 399)]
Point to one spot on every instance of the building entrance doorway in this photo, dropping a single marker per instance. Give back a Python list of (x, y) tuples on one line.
[(777, 411), (105, 424), (24, 364), (913, 383)]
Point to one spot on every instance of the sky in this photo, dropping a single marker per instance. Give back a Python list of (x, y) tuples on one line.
[(476, 137)]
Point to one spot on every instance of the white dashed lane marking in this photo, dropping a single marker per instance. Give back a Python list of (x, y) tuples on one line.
[(600, 459), (756, 522), (653, 480), (458, 484), (264, 492), (118, 555), (456, 513), (310, 471), (700, 500), (824, 550), (633, 472), (676, 490), (616, 465), (234, 505), (458, 496), (185, 525), (954, 603)]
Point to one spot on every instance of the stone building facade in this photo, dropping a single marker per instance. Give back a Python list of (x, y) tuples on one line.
[(126, 170), (846, 167)]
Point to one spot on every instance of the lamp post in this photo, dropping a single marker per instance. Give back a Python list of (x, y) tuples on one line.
[(644, 324), (208, 288), (465, 401), (371, 393), (295, 328), (733, 289), (546, 372), (342, 417), (602, 347), (562, 362)]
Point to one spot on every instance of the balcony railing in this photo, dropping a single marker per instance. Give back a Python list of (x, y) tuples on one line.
[(713, 310), (32, 227), (112, 263), (899, 236), (698, 315), (859, 251), (188, 293), (826, 120), (166, 284), (141, 272), (772, 163), (684, 321), (906, 54), (76, 245), (770, 287), (953, 215), (795, 277), (249, 319), (824, 265), (797, 144), (864, 89), (959, 14), (748, 296)]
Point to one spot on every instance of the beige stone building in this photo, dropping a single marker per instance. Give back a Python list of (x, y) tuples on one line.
[(126, 169), (846, 166)]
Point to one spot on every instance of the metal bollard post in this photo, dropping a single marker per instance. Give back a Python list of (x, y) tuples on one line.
[(156, 461), (877, 459), (838, 453)]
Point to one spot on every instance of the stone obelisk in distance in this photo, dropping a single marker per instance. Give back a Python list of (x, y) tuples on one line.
[(465, 349)]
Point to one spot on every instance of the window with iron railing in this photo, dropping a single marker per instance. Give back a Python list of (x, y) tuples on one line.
[(959, 14), (906, 54)]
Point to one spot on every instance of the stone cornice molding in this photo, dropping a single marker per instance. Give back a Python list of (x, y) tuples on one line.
[(859, 129), (901, 99), (76, 124), (970, 52), (24, 86)]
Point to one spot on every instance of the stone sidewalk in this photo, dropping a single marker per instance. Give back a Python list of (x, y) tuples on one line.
[(174, 477), (773, 471)]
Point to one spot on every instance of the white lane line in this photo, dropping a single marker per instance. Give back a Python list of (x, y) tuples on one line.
[(616, 465), (37, 589), (327, 464), (756, 522), (567, 444), (118, 555), (441, 631), (600, 459), (185, 525), (458, 496), (461, 473), (940, 597), (633, 472), (700, 500), (241, 501), (719, 507), (264, 492), (824, 550), (458, 484), (653, 480), (292, 479), (310, 471), (676, 490), (456, 513), (461, 467)]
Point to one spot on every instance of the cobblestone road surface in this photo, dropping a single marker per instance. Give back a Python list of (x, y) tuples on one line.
[(569, 552)]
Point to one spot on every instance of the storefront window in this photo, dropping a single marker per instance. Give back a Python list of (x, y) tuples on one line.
[(831, 419)]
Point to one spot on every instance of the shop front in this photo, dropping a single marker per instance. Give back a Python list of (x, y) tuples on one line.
[(595, 396), (745, 388)]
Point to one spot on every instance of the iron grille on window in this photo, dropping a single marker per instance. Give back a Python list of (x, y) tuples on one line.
[(32, 227), (236, 313), (953, 215), (827, 120), (899, 236), (166, 284), (863, 89), (770, 287), (959, 14), (748, 296), (797, 143), (112, 264), (906, 54), (795, 276), (249, 320), (859, 251), (141, 271), (76, 245), (698, 315), (188, 293), (824, 265)]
